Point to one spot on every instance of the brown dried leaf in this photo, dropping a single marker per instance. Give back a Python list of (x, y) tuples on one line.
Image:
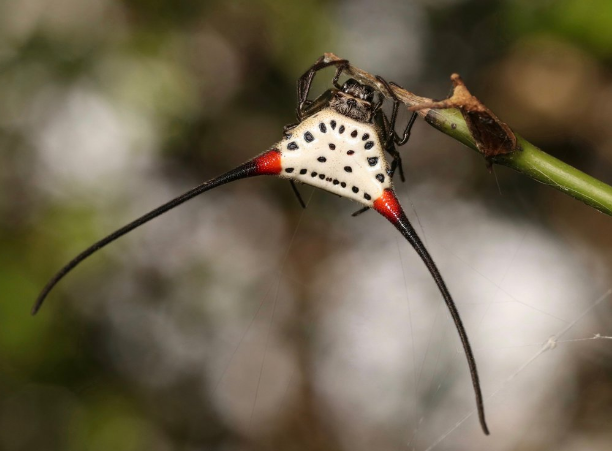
[(492, 136)]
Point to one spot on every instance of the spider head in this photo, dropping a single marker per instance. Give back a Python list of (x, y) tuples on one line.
[(355, 89), (354, 100)]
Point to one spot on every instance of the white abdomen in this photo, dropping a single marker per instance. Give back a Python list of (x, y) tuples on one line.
[(337, 154)]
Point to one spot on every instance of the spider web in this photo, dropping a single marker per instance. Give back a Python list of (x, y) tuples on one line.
[(550, 344), (424, 368), (339, 314)]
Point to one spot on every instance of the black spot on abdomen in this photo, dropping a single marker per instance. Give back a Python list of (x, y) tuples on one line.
[(369, 145), (322, 159), (292, 146), (348, 169)]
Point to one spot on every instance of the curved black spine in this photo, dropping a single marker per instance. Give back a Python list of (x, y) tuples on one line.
[(402, 224), (248, 169)]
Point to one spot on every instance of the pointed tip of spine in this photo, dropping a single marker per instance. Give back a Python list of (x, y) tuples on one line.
[(41, 298), (36, 306), (483, 421)]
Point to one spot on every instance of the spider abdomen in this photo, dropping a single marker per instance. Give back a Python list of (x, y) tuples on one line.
[(338, 154)]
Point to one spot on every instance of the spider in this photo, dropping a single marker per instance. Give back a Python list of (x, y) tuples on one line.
[(338, 145)]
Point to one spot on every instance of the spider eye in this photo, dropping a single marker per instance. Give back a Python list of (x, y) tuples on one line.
[(356, 89)]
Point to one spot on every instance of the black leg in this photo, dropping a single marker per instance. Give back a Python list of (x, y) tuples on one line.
[(287, 128), (378, 105), (297, 193), (396, 163), (305, 81), (392, 136), (396, 102), (360, 211), (406, 135), (391, 150), (339, 69)]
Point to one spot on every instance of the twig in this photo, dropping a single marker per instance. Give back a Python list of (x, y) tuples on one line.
[(529, 160)]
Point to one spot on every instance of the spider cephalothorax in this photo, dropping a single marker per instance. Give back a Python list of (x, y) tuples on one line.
[(354, 100), (338, 145)]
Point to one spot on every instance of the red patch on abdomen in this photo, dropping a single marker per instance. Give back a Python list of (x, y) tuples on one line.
[(268, 163), (388, 206)]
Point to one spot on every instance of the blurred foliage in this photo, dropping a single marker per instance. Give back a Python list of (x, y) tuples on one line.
[(108, 108), (586, 23)]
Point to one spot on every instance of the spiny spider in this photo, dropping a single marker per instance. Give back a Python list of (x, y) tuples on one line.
[(337, 145)]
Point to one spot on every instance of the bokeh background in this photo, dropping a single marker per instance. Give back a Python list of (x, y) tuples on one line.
[(240, 321)]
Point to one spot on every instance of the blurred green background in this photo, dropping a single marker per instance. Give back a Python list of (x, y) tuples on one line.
[(240, 321)]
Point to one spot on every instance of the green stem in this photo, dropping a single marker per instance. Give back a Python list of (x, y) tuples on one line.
[(532, 162)]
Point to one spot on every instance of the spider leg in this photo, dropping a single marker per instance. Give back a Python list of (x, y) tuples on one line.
[(378, 105), (360, 211), (396, 102), (305, 81), (392, 150), (406, 135), (392, 136), (339, 69), (396, 161), (297, 194)]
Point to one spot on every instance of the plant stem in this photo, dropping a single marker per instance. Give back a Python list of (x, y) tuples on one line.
[(532, 162), (529, 160)]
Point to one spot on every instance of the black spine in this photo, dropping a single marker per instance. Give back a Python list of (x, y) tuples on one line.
[(406, 229), (248, 169)]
